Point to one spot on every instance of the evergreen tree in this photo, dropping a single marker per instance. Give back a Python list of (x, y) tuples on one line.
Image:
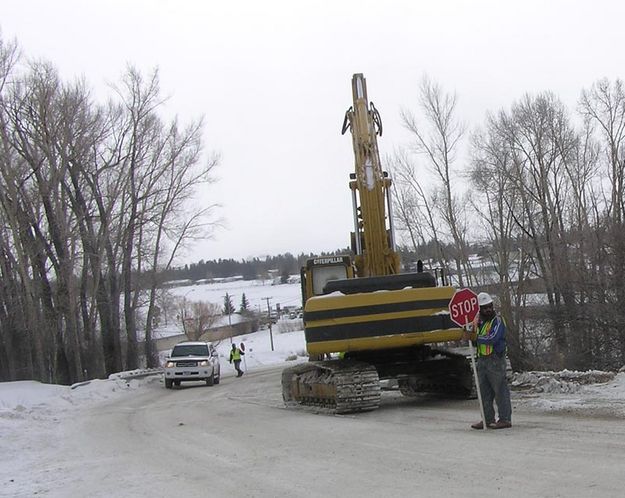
[(228, 306), (245, 304), (284, 278)]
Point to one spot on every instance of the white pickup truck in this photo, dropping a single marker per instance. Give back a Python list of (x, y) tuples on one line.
[(192, 361)]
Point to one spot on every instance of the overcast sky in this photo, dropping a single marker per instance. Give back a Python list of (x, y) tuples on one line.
[(272, 79)]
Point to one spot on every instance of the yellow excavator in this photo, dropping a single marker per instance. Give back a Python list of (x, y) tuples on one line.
[(364, 320)]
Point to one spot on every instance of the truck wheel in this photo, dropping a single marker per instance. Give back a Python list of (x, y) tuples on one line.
[(168, 383), (210, 380), (216, 379), (176, 383)]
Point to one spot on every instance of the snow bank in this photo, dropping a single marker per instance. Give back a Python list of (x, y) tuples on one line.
[(565, 381), (591, 393), (26, 394), (23, 398)]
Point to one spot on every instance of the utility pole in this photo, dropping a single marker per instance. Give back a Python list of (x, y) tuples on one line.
[(269, 318)]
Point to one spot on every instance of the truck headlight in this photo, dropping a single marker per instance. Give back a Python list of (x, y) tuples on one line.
[(170, 364), (204, 363)]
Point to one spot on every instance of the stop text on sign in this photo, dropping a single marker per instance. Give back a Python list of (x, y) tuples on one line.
[(464, 307)]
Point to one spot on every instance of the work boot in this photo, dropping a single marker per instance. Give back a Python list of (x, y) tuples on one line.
[(500, 424), (478, 425)]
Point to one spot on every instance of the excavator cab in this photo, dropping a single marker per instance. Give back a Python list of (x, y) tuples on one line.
[(319, 271)]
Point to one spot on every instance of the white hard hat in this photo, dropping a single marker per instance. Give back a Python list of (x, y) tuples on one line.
[(483, 299)]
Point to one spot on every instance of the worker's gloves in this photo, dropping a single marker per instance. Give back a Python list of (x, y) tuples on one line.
[(468, 332)]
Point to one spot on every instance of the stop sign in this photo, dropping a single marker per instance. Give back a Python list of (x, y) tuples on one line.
[(463, 306)]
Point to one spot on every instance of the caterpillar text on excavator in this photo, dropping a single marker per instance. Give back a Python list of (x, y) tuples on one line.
[(375, 322)]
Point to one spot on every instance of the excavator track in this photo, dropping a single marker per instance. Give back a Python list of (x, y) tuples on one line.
[(449, 376), (337, 386)]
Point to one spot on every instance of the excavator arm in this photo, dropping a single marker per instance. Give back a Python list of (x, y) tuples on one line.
[(374, 243)]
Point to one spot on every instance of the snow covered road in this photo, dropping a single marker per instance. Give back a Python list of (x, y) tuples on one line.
[(237, 439)]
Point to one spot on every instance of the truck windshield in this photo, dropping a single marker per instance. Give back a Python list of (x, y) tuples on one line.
[(190, 350)]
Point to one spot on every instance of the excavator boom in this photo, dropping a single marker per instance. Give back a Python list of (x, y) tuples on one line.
[(374, 237)]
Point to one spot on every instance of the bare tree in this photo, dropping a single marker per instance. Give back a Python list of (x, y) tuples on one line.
[(496, 202), (546, 171), (603, 105), (172, 222), (439, 140), (198, 317), (91, 198), (414, 207), (39, 120)]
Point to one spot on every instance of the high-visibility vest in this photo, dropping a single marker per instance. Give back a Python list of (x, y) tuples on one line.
[(484, 349), (484, 330), (235, 354)]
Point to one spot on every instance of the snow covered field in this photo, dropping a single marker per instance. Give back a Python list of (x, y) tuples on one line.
[(255, 291), (259, 294)]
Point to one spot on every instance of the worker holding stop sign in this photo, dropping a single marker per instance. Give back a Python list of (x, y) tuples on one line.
[(488, 330)]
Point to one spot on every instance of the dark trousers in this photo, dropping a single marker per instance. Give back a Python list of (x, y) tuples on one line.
[(491, 374), (237, 367)]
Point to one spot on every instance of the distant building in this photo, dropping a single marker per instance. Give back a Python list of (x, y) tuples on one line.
[(234, 278), (177, 283), (218, 332)]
